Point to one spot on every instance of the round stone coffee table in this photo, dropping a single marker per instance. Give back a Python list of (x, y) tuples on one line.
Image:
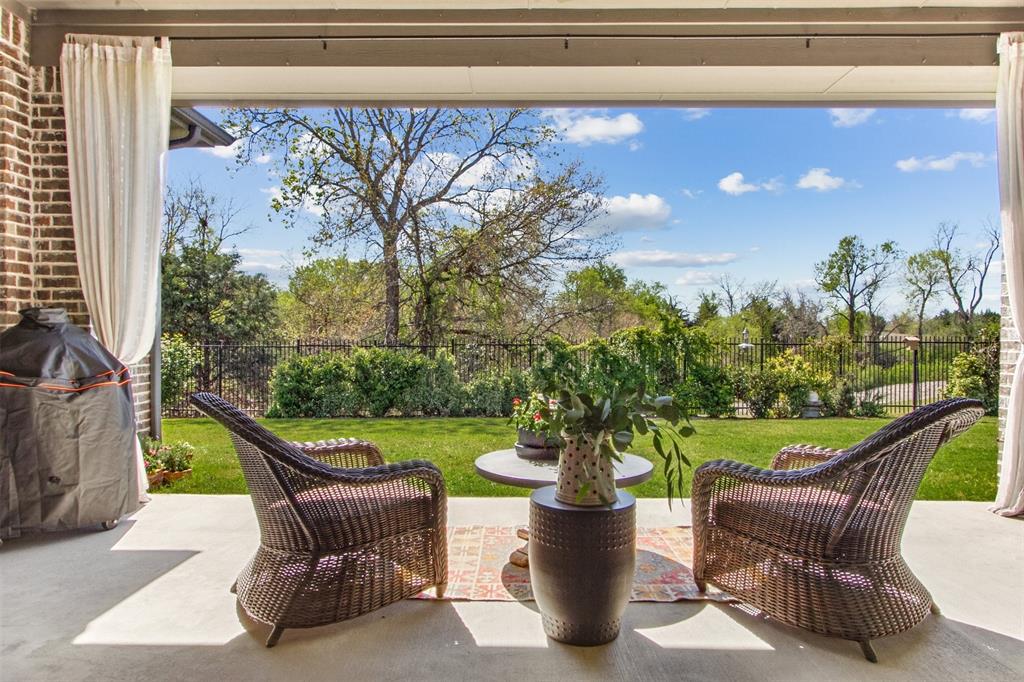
[(505, 466)]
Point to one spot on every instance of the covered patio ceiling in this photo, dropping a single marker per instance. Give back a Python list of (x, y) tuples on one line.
[(659, 52)]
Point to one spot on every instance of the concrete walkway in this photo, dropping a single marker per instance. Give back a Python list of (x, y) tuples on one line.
[(149, 601)]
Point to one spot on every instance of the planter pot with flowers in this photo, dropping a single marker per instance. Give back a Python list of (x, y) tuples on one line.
[(583, 532), (535, 439), (167, 462)]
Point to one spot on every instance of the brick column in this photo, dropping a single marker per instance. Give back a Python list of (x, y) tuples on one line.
[(38, 265), (16, 244)]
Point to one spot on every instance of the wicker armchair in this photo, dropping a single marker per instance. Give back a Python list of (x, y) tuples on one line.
[(815, 540), (341, 532)]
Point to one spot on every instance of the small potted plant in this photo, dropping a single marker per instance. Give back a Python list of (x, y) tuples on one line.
[(595, 432), (535, 439), (167, 462), (177, 460), (152, 460)]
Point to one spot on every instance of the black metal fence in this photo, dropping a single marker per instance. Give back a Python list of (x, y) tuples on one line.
[(886, 371)]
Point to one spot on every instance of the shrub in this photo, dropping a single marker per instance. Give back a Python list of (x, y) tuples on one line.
[(759, 389), (556, 359), (870, 406), (382, 379), (437, 391), (175, 456), (312, 386), (708, 389), (840, 399), (795, 379), (178, 361), (490, 394), (975, 374), (782, 388)]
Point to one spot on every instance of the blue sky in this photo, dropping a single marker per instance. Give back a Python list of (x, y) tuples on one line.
[(692, 193)]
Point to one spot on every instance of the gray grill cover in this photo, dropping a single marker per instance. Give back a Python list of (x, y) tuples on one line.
[(67, 428)]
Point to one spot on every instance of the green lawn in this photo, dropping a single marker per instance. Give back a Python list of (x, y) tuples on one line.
[(963, 470)]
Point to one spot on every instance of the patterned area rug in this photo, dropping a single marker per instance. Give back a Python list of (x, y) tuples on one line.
[(479, 570)]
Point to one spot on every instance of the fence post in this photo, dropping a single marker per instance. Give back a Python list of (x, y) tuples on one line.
[(220, 368)]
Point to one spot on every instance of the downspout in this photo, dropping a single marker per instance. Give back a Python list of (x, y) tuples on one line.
[(190, 140)]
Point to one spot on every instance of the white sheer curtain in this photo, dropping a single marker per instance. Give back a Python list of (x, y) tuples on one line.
[(1010, 117), (117, 99), (117, 106)]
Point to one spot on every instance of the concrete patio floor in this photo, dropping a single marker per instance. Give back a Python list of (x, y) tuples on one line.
[(149, 601)]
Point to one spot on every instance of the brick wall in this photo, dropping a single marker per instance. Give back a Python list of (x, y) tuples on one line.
[(38, 266), (16, 242), (1009, 350), (55, 280)]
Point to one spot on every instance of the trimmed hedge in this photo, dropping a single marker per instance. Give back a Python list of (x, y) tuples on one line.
[(378, 382)]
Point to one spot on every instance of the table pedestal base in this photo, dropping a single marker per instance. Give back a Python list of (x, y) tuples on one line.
[(581, 566)]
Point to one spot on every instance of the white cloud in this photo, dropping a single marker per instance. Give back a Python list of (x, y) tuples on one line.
[(691, 193), (635, 145), (734, 184), (671, 259), (646, 238), (848, 118), (695, 114), (754, 249), (585, 127), (232, 151), (821, 180), (978, 115), (633, 212), (273, 263), (309, 205), (696, 278), (946, 163), (227, 151)]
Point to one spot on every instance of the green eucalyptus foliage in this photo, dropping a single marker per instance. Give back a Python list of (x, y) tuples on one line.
[(612, 421)]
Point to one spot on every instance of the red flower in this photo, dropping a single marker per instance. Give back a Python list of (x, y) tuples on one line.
[(537, 417), (516, 402)]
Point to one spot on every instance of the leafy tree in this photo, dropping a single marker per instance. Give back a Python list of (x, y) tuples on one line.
[(334, 298), (965, 273), (853, 274), (800, 316), (923, 274), (500, 248), (206, 298), (403, 179), (708, 307), (599, 299)]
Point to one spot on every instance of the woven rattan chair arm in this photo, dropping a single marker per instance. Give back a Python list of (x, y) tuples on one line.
[(343, 453), (708, 473), (412, 468), (802, 456)]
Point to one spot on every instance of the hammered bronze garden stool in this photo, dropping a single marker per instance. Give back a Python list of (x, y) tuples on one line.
[(341, 532), (581, 566), (814, 541)]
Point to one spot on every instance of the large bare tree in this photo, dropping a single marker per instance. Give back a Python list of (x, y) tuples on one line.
[(965, 273), (195, 216), (402, 180)]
